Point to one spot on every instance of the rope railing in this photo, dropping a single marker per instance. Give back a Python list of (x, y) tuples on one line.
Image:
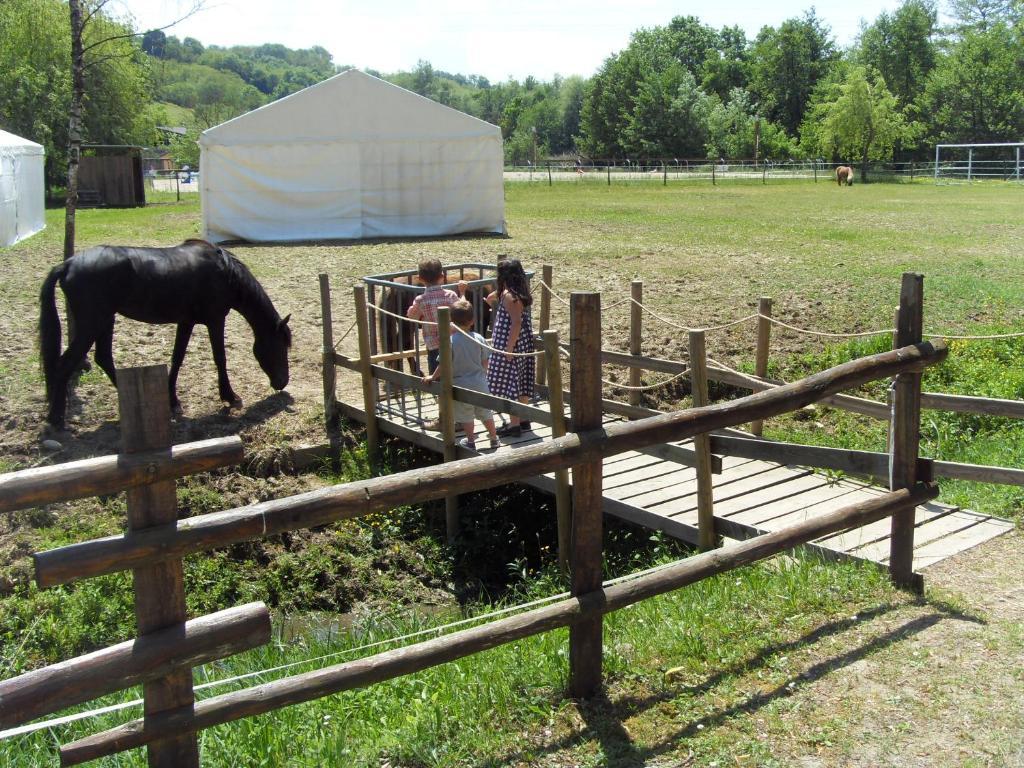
[(345, 335), (646, 387), (776, 321), (485, 345)]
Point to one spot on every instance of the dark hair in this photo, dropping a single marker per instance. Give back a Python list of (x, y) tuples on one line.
[(430, 270), (512, 278), (462, 312)]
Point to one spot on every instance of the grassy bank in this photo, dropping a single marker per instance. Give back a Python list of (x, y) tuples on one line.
[(696, 654)]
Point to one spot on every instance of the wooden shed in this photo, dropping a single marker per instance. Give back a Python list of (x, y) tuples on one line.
[(110, 176)]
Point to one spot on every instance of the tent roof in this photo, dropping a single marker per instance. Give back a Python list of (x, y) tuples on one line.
[(352, 106), (8, 141)]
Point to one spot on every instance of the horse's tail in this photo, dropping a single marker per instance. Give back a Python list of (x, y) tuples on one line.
[(49, 326)]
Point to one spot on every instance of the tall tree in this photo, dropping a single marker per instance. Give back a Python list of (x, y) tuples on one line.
[(901, 46), (110, 43), (786, 63), (975, 92), (863, 122)]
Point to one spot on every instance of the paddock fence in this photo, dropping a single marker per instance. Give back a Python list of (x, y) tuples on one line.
[(169, 645), (674, 171)]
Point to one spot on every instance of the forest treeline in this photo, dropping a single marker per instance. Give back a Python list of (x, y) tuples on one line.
[(682, 90)]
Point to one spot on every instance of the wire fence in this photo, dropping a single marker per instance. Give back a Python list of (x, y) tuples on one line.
[(676, 171)]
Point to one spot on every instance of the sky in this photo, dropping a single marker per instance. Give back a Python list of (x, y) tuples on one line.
[(499, 40)]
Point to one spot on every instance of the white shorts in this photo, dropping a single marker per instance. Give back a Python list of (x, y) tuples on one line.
[(463, 412)]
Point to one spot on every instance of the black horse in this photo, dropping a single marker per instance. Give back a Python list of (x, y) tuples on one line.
[(189, 284)]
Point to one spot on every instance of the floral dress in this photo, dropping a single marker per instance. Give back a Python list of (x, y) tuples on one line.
[(511, 377)]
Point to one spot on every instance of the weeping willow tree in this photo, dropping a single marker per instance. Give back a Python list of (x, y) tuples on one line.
[(857, 119)]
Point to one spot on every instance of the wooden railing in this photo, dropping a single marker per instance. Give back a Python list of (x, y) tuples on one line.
[(162, 657)]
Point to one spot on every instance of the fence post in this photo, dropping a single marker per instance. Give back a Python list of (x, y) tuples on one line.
[(664, 174), (549, 173), (815, 164), (369, 387), (563, 493), (713, 182), (905, 429), (764, 173), (446, 415), (636, 319), (609, 169), (145, 412), (545, 311), (764, 336), (330, 370), (585, 642), (706, 538)]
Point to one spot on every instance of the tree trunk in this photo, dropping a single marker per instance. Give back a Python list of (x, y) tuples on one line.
[(74, 124)]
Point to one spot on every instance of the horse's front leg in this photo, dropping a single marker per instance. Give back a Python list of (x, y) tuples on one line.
[(181, 338), (216, 330)]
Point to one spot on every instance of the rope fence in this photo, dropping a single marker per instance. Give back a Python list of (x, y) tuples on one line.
[(775, 321)]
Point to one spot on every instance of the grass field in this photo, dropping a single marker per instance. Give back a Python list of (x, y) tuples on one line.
[(790, 663)]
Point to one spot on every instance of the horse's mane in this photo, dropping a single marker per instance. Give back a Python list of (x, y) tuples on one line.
[(253, 302)]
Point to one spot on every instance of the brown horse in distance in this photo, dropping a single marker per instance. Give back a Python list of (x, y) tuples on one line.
[(398, 334), (844, 175)]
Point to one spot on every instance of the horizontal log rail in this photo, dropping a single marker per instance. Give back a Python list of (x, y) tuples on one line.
[(871, 464), (110, 474), (402, 661), (863, 406), (866, 463), (378, 494), (978, 473), (981, 406), (50, 689)]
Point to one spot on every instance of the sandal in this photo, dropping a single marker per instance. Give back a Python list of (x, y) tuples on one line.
[(510, 430)]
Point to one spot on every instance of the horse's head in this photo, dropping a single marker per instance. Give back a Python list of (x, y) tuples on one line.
[(271, 352)]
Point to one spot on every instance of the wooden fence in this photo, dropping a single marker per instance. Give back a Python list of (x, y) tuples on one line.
[(168, 646)]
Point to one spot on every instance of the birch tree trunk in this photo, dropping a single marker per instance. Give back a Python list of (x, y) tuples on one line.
[(74, 124)]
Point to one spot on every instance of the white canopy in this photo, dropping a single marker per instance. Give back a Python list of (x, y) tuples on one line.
[(351, 157), (22, 192)]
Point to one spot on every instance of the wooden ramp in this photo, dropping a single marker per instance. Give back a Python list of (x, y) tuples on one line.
[(751, 497)]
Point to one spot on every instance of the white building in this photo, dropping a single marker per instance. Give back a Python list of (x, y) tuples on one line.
[(351, 157), (22, 189)]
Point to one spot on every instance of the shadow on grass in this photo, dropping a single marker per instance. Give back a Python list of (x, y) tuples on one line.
[(105, 438), (605, 718)]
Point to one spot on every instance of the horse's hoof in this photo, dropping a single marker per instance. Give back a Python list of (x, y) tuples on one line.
[(235, 404), (177, 411)]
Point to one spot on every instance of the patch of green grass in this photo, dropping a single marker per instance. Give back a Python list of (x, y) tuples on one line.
[(690, 653)]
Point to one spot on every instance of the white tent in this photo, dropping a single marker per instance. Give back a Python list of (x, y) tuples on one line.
[(351, 157), (22, 193)]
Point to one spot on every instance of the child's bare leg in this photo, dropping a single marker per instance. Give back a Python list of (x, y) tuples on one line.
[(491, 431), (468, 431)]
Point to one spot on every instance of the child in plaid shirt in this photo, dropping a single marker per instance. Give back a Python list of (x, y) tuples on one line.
[(424, 307)]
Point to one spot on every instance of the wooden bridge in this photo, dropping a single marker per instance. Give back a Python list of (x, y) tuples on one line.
[(658, 490), (740, 484)]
